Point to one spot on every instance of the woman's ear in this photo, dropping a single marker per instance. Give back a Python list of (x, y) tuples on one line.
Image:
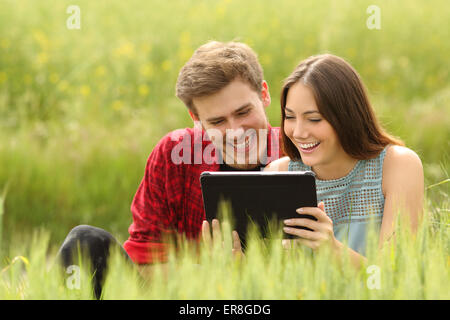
[(265, 95)]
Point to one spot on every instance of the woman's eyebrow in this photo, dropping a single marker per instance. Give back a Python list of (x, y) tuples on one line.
[(304, 113), (310, 111)]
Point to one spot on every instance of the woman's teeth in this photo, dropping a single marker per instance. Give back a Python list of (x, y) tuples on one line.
[(309, 145)]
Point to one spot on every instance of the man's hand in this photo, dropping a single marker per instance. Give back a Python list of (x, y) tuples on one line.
[(217, 237)]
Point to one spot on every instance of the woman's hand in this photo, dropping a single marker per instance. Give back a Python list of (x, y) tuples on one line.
[(322, 228)]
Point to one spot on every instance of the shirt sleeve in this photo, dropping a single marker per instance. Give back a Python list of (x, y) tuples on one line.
[(153, 214)]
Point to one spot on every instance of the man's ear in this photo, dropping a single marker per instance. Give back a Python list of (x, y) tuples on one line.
[(193, 116), (265, 95)]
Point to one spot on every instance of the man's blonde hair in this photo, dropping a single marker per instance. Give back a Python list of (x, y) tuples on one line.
[(213, 66)]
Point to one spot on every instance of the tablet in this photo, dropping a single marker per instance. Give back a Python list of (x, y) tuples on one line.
[(259, 197)]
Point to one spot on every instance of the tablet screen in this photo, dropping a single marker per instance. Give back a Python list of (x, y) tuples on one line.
[(258, 197)]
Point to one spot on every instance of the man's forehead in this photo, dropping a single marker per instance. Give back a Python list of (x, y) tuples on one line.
[(230, 99)]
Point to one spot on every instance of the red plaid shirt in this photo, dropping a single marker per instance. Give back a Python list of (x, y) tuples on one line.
[(169, 199)]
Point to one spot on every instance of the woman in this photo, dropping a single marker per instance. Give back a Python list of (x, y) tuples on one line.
[(362, 173)]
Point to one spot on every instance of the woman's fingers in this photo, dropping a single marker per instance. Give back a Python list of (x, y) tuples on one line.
[(302, 222), (317, 212), (296, 243), (302, 233), (320, 231)]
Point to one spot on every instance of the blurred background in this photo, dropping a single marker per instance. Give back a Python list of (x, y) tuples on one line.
[(81, 109)]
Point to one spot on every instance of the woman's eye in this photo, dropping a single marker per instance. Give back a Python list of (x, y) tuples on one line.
[(289, 117), (315, 120)]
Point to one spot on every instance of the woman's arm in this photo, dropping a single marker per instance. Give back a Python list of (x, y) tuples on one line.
[(322, 233), (403, 189), (278, 165)]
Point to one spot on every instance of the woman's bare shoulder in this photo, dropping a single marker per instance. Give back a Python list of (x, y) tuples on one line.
[(278, 165), (401, 165), (399, 155)]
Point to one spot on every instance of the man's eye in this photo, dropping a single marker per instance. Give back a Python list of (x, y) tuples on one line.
[(215, 123), (243, 112)]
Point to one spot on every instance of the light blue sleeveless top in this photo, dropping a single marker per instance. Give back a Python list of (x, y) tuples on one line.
[(353, 201)]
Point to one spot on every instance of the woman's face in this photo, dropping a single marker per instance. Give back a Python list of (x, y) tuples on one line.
[(314, 137)]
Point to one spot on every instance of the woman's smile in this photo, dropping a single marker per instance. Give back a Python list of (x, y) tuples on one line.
[(308, 147)]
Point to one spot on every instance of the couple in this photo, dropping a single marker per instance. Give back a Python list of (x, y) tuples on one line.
[(327, 126)]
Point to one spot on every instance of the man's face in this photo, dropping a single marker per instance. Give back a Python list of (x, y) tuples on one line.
[(236, 122)]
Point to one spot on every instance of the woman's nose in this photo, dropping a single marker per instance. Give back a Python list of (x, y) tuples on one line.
[(300, 133)]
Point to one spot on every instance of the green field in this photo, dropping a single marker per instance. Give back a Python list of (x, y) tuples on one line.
[(81, 110)]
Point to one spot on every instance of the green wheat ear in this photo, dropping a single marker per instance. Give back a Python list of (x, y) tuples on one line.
[(2, 211)]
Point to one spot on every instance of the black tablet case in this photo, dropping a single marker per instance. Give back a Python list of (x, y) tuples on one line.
[(260, 195)]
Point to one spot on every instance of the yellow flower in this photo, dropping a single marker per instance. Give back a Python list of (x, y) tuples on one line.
[(145, 47), (41, 39), (323, 287), (27, 79), (289, 51), (42, 58), (146, 70), (100, 71), (3, 76), (166, 65), (275, 23), (5, 43), (266, 59), (54, 78), (184, 54), (126, 49), (220, 10), (403, 62), (351, 52), (117, 105), (220, 289), (143, 90), (85, 90), (185, 38), (63, 85)]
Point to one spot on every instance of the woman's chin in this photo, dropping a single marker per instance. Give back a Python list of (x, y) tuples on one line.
[(308, 159)]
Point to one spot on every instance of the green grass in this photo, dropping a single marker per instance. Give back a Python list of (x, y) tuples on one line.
[(412, 267), (80, 110)]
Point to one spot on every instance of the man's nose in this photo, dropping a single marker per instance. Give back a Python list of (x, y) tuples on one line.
[(235, 129), (235, 125)]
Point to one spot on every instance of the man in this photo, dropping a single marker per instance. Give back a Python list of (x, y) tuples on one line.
[(223, 88)]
